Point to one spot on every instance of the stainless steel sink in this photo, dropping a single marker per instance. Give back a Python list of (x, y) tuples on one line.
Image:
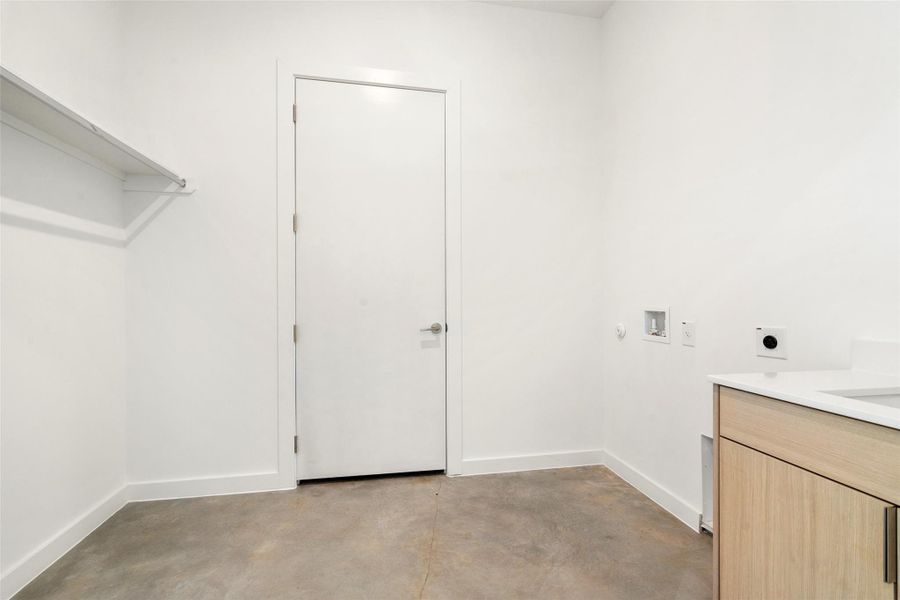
[(884, 396)]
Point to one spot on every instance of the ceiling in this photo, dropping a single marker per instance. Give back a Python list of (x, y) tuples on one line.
[(581, 8)]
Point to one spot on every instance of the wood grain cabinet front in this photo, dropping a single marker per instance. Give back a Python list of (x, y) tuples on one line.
[(786, 531)]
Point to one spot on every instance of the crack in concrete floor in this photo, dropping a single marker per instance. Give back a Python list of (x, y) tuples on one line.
[(437, 504)]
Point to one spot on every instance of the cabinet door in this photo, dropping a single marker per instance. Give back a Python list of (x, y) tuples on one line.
[(786, 533)]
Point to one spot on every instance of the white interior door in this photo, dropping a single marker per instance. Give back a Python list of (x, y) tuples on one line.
[(370, 277)]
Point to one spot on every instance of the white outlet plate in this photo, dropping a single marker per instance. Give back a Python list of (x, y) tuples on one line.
[(688, 333), (780, 335)]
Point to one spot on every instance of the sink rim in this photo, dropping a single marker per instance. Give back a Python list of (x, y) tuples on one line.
[(860, 393)]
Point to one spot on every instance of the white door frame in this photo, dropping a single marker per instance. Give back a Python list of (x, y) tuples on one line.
[(287, 73)]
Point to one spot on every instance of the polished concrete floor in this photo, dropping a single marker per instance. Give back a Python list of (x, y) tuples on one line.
[(565, 533)]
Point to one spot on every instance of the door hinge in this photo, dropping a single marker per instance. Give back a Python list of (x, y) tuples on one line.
[(295, 334), (295, 444), (295, 222), (294, 114)]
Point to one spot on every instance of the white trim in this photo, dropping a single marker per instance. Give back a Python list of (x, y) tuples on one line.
[(40, 559), (285, 273), (21, 573), (142, 491), (286, 73), (532, 462), (683, 511), (673, 504), (453, 274)]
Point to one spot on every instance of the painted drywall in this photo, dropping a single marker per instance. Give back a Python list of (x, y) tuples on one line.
[(601, 161), (62, 427), (200, 278), (62, 185), (69, 50), (750, 178), (62, 301), (202, 400)]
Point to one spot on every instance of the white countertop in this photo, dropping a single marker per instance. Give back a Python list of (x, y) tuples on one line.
[(807, 388)]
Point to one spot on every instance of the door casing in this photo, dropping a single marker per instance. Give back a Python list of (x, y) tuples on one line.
[(286, 73)]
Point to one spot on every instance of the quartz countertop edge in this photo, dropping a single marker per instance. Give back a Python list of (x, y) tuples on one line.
[(805, 388)]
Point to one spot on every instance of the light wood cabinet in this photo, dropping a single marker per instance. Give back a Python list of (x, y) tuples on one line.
[(785, 531)]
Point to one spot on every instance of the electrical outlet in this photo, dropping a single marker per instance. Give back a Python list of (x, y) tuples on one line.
[(688, 333), (771, 342)]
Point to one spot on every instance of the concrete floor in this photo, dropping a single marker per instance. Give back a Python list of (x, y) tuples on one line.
[(565, 533)]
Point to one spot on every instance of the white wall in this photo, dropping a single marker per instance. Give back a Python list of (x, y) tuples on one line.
[(63, 301), (70, 50), (63, 387), (62, 418), (199, 282), (202, 398), (684, 153), (750, 178), (62, 184)]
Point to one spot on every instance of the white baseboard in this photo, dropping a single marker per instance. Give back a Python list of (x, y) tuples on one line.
[(683, 511), (531, 462), (21, 573), (141, 491)]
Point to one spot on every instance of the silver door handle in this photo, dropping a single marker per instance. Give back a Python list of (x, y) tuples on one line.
[(435, 328)]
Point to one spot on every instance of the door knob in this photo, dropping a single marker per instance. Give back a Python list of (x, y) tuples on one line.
[(435, 328)]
